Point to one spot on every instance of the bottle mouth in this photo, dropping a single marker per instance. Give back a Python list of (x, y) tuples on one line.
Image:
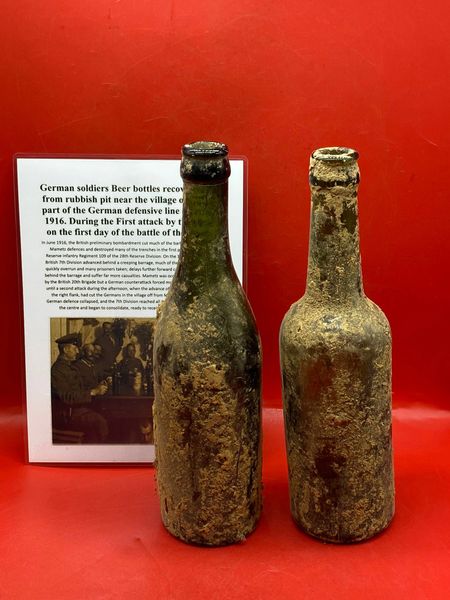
[(334, 166), (336, 154), (205, 162), (205, 149)]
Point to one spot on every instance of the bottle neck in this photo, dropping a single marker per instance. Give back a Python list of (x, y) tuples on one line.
[(334, 265), (205, 251)]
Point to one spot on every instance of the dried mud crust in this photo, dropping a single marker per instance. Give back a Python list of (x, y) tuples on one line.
[(337, 389), (336, 369), (207, 418), (334, 264), (337, 540)]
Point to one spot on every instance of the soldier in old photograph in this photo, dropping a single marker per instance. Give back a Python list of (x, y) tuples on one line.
[(110, 348), (74, 385), (131, 371), (86, 367)]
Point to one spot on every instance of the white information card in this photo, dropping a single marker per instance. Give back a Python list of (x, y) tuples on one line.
[(99, 246)]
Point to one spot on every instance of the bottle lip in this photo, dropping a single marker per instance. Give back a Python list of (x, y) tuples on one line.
[(204, 149), (205, 163), (339, 154)]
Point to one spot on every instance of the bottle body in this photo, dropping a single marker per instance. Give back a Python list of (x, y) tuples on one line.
[(335, 348), (207, 378)]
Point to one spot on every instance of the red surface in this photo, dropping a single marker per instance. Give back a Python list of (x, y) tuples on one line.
[(72, 533), (274, 80)]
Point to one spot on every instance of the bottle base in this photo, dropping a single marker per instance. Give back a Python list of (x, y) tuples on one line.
[(214, 541), (344, 540)]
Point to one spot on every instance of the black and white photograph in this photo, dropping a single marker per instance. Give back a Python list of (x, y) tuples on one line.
[(101, 380)]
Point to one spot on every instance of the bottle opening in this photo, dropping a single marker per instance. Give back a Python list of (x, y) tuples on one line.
[(335, 154), (205, 149), (205, 162)]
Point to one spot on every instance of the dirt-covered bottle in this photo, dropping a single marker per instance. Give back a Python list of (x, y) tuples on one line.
[(207, 372), (336, 369)]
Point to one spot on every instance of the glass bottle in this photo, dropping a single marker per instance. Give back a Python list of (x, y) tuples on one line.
[(335, 347), (207, 371)]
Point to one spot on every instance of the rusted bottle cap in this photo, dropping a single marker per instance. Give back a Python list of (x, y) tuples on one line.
[(205, 162), (333, 166)]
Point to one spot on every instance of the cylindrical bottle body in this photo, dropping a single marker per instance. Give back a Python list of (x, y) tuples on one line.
[(336, 371), (207, 418), (207, 381)]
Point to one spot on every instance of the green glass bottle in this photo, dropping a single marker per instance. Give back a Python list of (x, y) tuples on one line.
[(335, 347), (207, 372)]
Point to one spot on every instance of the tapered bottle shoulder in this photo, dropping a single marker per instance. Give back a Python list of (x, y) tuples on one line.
[(215, 322), (309, 324)]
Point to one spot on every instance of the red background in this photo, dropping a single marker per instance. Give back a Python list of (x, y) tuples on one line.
[(273, 80)]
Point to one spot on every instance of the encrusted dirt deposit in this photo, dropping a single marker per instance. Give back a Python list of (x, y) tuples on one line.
[(207, 360), (336, 369)]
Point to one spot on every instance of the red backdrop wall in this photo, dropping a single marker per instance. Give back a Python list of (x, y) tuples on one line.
[(273, 80)]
